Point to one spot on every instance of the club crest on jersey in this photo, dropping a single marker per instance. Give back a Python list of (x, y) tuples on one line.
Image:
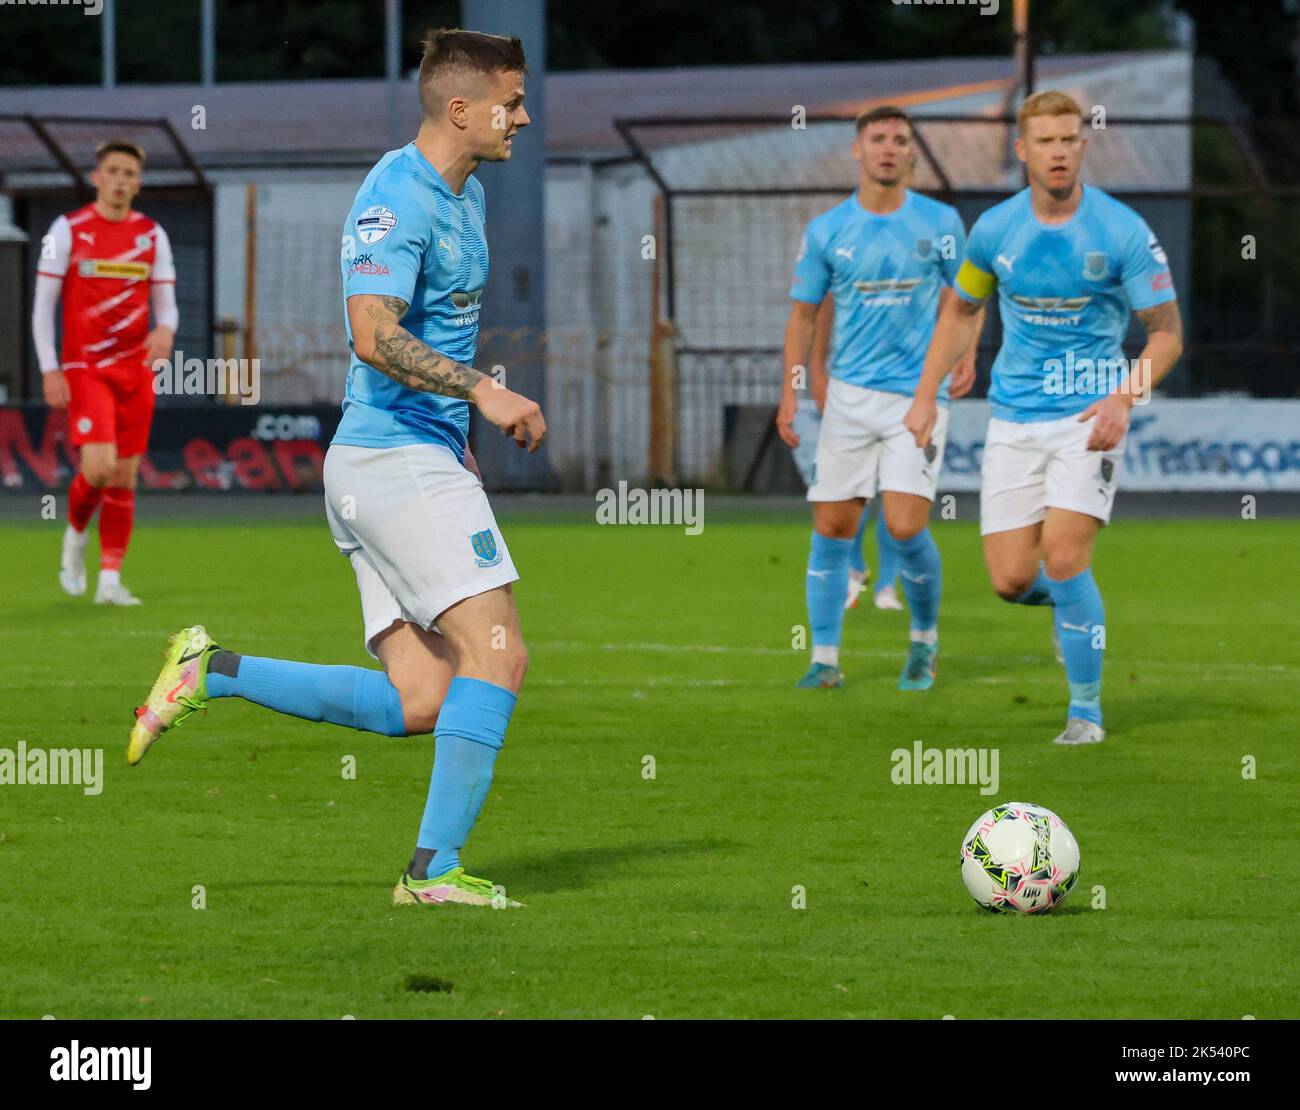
[(375, 222), (143, 242), (1096, 265), (923, 248), (485, 547)]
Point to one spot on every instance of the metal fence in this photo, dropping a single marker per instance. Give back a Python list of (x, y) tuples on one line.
[(44, 162), (1222, 196)]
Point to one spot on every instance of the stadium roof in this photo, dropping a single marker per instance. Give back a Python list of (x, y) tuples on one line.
[(346, 121)]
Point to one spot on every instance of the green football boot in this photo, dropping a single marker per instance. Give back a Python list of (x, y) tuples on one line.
[(454, 886), (180, 689)]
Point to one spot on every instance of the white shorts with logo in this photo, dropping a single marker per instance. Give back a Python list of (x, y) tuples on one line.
[(1029, 468), (418, 529), (864, 447)]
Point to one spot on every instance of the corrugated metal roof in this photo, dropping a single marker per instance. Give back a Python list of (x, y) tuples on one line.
[(286, 123)]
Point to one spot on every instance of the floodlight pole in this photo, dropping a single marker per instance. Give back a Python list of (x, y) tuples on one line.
[(208, 43), (393, 65), (1024, 49), (108, 45)]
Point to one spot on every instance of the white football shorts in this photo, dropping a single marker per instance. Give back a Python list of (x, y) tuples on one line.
[(864, 448), (1029, 468), (418, 529)]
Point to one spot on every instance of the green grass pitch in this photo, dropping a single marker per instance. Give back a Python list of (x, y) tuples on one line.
[(669, 896)]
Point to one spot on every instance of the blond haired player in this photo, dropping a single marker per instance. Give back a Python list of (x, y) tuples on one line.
[(1069, 263)]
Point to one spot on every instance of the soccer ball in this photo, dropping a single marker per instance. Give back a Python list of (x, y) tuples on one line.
[(1019, 858)]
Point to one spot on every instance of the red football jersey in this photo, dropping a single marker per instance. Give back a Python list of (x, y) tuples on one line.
[(107, 267)]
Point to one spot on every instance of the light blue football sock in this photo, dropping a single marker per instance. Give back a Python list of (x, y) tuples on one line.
[(858, 559), (1080, 624), (827, 584), (922, 579), (1039, 592), (354, 697), (888, 554), (470, 731)]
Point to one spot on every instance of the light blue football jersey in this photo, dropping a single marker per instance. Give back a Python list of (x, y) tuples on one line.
[(409, 236), (1065, 292), (885, 273)]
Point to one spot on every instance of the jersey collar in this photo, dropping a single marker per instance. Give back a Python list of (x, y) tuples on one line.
[(1083, 203), (867, 214), (438, 180)]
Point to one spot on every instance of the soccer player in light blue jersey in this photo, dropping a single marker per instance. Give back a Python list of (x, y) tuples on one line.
[(1069, 263), (888, 256), (807, 426), (403, 503)]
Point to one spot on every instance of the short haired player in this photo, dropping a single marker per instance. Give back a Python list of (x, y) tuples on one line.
[(433, 571), (1069, 263), (807, 426), (887, 255), (111, 265)]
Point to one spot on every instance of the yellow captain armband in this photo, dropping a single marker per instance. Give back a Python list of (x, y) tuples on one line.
[(974, 282)]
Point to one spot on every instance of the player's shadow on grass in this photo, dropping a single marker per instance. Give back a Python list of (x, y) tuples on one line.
[(566, 870), (297, 879), (579, 867)]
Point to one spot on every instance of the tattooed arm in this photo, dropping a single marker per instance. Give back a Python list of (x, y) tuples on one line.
[(1164, 344), (380, 341), (1164, 324)]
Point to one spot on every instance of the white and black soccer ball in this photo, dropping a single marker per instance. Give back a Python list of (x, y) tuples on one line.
[(1019, 858)]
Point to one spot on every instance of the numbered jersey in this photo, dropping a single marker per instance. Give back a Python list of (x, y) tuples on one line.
[(107, 267), (409, 236), (1065, 292), (885, 273)]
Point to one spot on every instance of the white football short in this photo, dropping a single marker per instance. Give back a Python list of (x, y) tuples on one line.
[(1029, 468), (418, 529), (864, 447)]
